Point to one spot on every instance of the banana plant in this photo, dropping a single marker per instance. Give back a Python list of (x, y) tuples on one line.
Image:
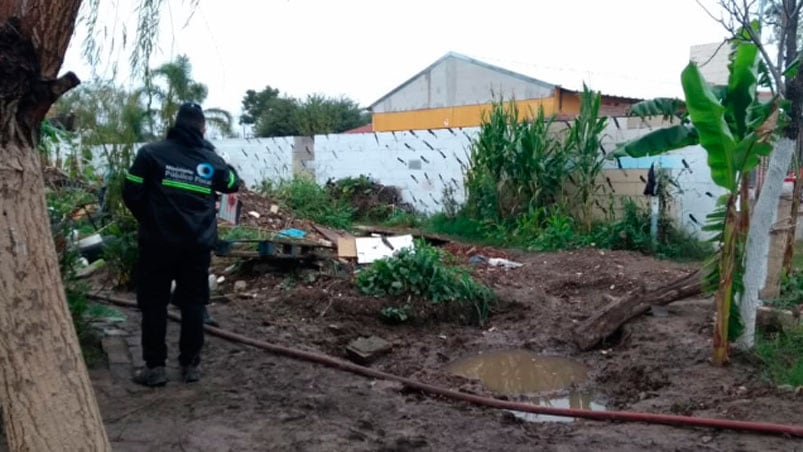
[(729, 122)]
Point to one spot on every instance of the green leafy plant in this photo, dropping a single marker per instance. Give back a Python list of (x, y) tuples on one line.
[(121, 251), (421, 273), (393, 314), (791, 290), (727, 122), (583, 146)]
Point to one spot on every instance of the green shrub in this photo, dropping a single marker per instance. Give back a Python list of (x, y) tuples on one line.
[(632, 232), (468, 229), (121, 251), (422, 273), (403, 218), (791, 290), (782, 356), (81, 310)]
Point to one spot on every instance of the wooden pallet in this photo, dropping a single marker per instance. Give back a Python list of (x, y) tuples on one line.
[(274, 248)]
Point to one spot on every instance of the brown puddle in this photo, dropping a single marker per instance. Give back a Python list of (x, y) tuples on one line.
[(520, 372)]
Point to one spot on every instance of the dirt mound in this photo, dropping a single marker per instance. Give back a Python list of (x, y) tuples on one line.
[(263, 212), (368, 198)]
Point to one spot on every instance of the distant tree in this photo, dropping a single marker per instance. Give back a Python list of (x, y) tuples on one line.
[(278, 119), (254, 103), (320, 115), (273, 115), (103, 113)]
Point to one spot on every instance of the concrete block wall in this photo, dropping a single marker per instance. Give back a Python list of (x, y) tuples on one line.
[(260, 159), (422, 163)]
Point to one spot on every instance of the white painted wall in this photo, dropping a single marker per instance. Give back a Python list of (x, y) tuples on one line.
[(259, 159), (422, 163), (713, 61)]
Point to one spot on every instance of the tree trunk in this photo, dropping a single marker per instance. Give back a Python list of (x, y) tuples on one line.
[(724, 295), (797, 191), (758, 240), (45, 391), (47, 397), (594, 330)]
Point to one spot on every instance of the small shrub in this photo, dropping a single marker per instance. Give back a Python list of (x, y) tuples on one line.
[(556, 233), (791, 290), (393, 314), (81, 310), (121, 251), (782, 356), (403, 218), (422, 273), (632, 232), (467, 228)]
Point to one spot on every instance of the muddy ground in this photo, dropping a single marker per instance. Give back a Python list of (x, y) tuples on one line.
[(250, 400)]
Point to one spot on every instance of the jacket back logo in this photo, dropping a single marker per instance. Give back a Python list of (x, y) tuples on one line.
[(202, 174)]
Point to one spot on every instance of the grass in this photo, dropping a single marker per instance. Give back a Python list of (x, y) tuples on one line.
[(309, 200), (782, 356)]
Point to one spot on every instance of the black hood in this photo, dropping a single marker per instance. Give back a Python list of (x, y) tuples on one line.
[(187, 136)]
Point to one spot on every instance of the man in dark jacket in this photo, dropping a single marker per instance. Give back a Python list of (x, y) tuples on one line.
[(170, 189)]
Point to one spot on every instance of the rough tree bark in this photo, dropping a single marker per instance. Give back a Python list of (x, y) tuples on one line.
[(598, 327), (47, 398)]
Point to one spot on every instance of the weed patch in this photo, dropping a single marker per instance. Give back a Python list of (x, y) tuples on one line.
[(309, 200)]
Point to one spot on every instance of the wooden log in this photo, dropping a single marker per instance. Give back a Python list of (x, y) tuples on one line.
[(621, 310)]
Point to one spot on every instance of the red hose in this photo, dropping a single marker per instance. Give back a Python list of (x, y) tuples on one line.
[(629, 416)]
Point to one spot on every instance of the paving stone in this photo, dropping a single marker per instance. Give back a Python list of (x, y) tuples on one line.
[(365, 350), (116, 350)]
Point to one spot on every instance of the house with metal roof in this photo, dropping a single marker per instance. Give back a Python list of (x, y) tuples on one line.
[(456, 90)]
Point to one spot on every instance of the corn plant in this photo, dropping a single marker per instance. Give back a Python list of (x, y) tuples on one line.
[(516, 167), (727, 121), (586, 158)]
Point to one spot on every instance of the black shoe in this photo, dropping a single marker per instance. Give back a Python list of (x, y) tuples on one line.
[(190, 374), (151, 377)]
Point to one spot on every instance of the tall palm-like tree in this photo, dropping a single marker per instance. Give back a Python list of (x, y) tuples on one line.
[(179, 88)]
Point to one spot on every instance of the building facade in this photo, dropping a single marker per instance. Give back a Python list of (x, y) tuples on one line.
[(457, 91)]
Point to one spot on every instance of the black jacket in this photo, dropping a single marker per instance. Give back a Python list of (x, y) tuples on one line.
[(171, 187)]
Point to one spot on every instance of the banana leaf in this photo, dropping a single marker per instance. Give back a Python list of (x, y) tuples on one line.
[(708, 117), (659, 141), (742, 84), (665, 107)]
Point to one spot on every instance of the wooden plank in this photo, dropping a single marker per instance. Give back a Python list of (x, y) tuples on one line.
[(432, 238), (330, 234)]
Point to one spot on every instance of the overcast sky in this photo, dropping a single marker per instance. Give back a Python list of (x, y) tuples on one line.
[(364, 48)]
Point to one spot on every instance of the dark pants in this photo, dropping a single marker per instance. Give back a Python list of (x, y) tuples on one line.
[(158, 266)]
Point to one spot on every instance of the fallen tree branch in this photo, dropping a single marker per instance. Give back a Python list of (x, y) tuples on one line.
[(600, 326)]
